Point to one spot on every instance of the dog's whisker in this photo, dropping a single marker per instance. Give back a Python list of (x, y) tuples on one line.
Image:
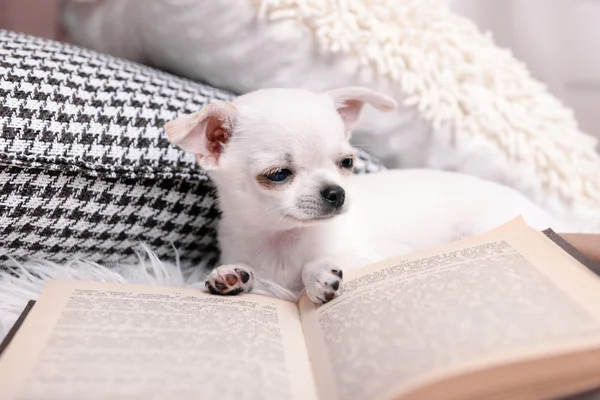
[(283, 215), (267, 213)]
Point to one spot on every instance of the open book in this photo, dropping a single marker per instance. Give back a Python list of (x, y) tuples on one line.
[(506, 314)]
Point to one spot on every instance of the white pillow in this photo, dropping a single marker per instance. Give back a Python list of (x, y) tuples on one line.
[(469, 105)]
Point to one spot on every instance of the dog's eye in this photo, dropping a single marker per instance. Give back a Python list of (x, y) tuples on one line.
[(347, 163), (279, 176)]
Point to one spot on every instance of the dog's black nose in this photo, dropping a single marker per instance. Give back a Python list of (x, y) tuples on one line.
[(334, 196)]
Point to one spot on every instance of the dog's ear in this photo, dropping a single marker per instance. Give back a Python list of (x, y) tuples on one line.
[(349, 102), (204, 132)]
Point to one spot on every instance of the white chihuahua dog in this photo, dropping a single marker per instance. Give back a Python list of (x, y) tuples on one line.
[(293, 214)]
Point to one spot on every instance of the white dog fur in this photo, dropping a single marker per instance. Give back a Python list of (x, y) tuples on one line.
[(300, 236)]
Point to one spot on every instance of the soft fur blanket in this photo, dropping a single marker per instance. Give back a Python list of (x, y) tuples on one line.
[(26, 281)]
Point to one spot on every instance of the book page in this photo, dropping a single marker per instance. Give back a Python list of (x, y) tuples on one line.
[(112, 341), (410, 321)]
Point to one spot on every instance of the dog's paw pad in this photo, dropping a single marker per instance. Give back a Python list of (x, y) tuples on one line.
[(325, 285), (244, 275), (230, 280)]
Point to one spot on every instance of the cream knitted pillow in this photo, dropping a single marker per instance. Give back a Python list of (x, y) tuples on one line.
[(469, 105)]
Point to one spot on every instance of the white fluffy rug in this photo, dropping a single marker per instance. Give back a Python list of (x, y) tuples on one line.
[(28, 279), (15, 292)]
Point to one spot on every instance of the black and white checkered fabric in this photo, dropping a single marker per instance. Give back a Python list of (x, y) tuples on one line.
[(86, 170)]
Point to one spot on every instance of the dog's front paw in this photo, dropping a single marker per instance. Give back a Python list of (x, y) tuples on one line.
[(322, 281), (230, 280)]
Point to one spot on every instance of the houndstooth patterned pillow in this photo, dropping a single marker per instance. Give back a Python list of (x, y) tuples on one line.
[(86, 170)]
